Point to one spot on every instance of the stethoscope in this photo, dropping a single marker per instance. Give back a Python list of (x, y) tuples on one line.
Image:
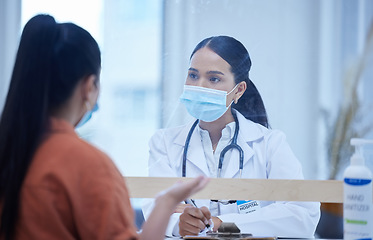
[(233, 145)]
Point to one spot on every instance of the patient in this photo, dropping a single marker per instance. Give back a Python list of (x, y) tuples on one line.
[(55, 185)]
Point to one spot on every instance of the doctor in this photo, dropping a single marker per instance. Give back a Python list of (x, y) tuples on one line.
[(229, 139)]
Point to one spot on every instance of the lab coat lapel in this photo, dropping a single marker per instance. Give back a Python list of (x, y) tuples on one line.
[(195, 154), (248, 133)]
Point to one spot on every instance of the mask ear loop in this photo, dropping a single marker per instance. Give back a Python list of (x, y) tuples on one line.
[(232, 89), (235, 101)]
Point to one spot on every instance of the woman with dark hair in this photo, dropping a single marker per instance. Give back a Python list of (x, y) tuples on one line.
[(55, 185), (230, 138)]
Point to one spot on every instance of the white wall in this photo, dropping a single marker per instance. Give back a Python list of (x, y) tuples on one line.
[(10, 18), (297, 55)]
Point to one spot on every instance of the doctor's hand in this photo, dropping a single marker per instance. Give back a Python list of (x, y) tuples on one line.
[(193, 220), (165, 203), (217, 222)]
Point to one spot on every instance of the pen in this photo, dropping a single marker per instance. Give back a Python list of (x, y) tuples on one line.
[(191, 201)]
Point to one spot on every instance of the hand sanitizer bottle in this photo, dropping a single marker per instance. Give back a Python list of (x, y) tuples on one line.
[(357, 202)]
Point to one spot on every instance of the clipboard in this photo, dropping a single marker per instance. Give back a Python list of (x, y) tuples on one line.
[(209, 237), (229, 230)]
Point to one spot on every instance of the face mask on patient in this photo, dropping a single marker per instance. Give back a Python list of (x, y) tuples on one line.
[(87, 116)]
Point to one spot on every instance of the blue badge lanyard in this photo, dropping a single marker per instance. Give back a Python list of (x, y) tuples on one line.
[(233, 145)]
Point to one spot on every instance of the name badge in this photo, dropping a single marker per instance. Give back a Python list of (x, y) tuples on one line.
[(245, 207)]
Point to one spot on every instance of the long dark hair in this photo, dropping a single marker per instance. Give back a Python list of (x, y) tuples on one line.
[(51, 59), (233, 52)]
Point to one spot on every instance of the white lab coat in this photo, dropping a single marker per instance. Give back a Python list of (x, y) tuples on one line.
[(267, 155)]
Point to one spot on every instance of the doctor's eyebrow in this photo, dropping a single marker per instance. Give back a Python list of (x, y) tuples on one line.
[(215, 72), (208, 72)]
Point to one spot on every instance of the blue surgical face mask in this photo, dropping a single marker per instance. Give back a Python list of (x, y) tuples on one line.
[(205, 104), (87, 116)]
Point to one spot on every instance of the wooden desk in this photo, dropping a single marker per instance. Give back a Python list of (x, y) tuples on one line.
[(258, 189)]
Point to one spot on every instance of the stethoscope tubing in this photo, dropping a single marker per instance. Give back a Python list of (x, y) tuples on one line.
[(232, 145), (187, 146)]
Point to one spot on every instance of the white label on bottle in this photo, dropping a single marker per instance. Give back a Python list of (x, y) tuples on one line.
[(357, 209)]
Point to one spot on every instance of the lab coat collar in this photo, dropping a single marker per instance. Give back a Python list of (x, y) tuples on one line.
[(248, 133)]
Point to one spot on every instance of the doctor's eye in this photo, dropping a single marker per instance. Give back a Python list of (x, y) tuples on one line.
[(214, 79), (193, 76)]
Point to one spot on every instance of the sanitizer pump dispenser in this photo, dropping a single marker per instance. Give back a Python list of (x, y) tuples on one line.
[(357, 202)]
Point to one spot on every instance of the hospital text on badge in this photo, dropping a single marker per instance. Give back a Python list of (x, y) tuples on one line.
[(247, 206)]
